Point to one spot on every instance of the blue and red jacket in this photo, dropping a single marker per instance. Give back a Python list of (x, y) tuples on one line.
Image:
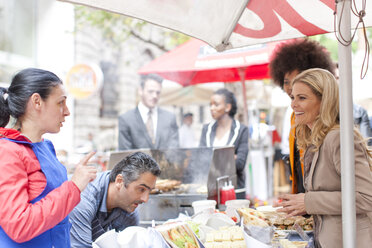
[(35, 196)]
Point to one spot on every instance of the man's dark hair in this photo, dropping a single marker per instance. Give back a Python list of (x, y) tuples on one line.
[(187, 115), (151, 76), (299, 55), (229, 98), (133, 166)]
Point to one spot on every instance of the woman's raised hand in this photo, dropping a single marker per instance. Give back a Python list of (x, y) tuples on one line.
[(84, 173)]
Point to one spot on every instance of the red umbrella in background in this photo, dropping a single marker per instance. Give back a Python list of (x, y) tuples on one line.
[(195, 62)]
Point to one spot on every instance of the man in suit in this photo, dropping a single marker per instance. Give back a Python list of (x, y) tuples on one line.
[(148, 126)]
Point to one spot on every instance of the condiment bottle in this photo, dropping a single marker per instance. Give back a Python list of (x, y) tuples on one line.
[(231, 189), (224, 194)]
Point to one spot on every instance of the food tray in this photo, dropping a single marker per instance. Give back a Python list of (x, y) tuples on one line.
[(294, 232)]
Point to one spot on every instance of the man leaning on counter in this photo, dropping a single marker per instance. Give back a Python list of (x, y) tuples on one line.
[(110, 201)]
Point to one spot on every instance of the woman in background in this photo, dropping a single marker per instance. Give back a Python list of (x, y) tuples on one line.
[(226, 131), (315, 102), (35, 196)]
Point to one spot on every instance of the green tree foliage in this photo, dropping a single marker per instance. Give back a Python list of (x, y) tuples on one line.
[(331, 43), (118, 28)]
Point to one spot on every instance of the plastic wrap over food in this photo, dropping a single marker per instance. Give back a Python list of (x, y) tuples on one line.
[(179, 235), (130, 237)]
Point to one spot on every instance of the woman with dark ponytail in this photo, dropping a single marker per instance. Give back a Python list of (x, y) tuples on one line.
[(4, 111), (226, 131), (35, 196)]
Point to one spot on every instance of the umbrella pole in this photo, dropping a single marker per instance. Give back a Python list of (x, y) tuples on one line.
[(346, 127), (245, 106)]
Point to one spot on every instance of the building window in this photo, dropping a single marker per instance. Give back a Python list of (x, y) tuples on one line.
[(17, 36)]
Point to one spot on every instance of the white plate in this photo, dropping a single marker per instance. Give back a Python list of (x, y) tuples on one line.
[(268, 208), (107, 240), (218, 220)]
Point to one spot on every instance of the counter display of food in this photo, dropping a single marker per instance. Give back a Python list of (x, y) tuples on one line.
[(217, 229), (188, 175)]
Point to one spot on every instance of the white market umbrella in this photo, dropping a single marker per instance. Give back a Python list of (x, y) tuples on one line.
[(226, 24), (233, 23)]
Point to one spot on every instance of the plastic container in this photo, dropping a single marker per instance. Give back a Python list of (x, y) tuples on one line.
[(199, 206), (233, 205), (267, 209), (239, 203)]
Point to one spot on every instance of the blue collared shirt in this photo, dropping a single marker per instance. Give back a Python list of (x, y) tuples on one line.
[(90, 217)]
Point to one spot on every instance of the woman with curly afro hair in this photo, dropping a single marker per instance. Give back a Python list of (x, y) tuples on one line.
[(298, 56), (289, 60)]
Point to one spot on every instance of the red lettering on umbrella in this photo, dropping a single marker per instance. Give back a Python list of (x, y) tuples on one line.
[(330, 3), (271, 21)]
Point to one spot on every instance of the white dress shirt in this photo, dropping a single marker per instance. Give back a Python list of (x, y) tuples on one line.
[(223, 141), (187, 137), (144, 112)]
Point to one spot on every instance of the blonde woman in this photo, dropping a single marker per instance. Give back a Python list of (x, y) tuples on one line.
[(315, 102)]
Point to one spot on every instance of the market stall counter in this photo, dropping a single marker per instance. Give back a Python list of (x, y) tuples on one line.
[(188, 175), (210, 229)]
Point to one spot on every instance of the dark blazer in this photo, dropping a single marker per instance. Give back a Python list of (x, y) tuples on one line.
[(133, 133), (240, 133)]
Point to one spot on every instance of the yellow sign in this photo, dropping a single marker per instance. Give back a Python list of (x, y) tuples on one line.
[(83, 80)]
